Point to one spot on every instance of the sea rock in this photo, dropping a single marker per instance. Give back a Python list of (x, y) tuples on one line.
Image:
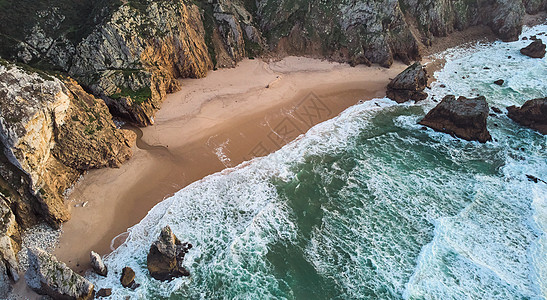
[(496, 110), (462, 117), (409, 85), (97, 264), (47, 276), (535, 50), (104, 293), (50, 132), (166, 255), (499, 82), (128, 278), (532, 114)]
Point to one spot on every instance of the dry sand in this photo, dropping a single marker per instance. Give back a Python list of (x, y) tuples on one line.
[(216, 122)]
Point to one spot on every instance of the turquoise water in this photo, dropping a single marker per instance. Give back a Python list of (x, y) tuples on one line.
[(369, 205)]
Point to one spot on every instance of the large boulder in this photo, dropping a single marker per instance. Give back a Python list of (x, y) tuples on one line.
[(97, 264), (166, 255), (47, 276), (462, 117), (410, 84), (535, 50), (128, 278), (532, 114)]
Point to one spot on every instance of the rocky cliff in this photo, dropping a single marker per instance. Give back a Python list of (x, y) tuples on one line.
[(51, 131), (130, 53)]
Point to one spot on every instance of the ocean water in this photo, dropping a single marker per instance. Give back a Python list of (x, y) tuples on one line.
[(370, 205)]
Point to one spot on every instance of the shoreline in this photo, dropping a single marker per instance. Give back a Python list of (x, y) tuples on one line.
[(220, 121), (206, 127)]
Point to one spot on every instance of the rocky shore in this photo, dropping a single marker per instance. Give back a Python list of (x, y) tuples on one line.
[(66, 70)]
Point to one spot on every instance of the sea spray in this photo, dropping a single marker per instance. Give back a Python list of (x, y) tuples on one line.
[(369, 205)]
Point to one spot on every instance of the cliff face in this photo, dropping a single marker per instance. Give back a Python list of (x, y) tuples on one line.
[(350, 31), (130, 53), (439, 18), (50, 132)]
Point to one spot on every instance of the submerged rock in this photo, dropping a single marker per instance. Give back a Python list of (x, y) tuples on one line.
[(462, 117), (47, 276), (128, 278), (532, 114), (166, 255), (97, 264), (410, 84), (535, 50)]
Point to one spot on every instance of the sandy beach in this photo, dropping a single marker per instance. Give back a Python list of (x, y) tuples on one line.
[(213, 123)]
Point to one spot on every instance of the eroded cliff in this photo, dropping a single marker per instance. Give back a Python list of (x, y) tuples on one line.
[(51, 131), (130, 53)]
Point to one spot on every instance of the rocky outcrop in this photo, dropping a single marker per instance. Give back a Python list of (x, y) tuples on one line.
[(350, 31), (51, 131), (10, 240), (47, 276), (128, 278), (166, 255), (532, 114), (439, 18), (130, 53), (408, 85), (535, 50), (97, 264), (462, 117), (535, 6)]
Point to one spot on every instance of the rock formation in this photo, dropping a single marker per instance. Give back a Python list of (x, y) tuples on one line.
[(409, 85), (535, 50), (9, 245), (97, 264), (166, 255), (104, 293), (50, 132), (532, 114), (130, 53), (462, 117), (47, 276), (128, 278)]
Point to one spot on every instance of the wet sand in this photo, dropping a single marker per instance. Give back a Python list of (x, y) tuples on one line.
[(213, 123)]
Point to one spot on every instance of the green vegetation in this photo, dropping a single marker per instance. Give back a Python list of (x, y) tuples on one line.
[(139, 96)]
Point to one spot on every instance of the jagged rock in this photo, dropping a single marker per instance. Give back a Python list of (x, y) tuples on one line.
[(50, 132), (104, 293), (496, 110), (532, 114), (535, 50), (409, 85), (440, 18), (47, 276), (464, 118), (166, 255), (499, 82), (97, 264), (10, 240), (370, 31), (128, 278)]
